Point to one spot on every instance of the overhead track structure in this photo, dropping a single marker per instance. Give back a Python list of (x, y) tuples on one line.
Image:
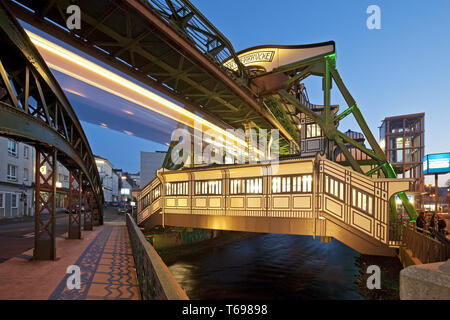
[(35, 111), (168, 45)]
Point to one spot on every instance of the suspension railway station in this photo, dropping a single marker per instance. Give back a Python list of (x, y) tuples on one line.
[(326, 183)]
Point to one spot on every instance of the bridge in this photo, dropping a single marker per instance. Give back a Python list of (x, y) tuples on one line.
[(303, 197), (171, 47)]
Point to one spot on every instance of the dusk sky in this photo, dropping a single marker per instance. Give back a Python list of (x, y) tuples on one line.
[(402, 68)]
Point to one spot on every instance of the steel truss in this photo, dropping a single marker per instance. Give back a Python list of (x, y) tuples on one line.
[(75, 205), (325, 67), (169, 45), (34, 110)]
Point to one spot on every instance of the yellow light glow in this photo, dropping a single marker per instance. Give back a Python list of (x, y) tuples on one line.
[(58, 184), (86, 64), (75, 92), (43, 170)]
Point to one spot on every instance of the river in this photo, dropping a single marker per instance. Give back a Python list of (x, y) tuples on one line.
[(271, 266)]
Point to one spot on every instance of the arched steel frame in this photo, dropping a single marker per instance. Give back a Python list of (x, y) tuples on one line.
[(34, 110)]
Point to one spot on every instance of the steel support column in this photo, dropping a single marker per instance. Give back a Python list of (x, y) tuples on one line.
[(75, 205), (45, 204), (89, 203)]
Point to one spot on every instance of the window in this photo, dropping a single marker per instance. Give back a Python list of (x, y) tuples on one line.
[(287, 184), (25, 174), (66, 178), (177, 188), (334, 187), (2, 201), (145, 201), (208, 187), (14, 199), (156, 193), (25, 152), (362, 201), (246, 186), (313, 130), (12, 148), (12, 172)]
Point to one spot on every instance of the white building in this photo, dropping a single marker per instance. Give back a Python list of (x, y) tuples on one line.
[(115, 187), (16, 178), (105, 169), (150, 162)]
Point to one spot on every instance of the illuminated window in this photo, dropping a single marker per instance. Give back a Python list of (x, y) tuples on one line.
[(289, 184), (208, 187), (246, 186), (177, 188), (313, 130), (334, 187), (362, 201)]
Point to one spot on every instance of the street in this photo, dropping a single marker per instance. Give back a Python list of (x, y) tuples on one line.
[(16, 238)]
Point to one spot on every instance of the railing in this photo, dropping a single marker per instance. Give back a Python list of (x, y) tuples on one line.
[(426, 246), (204, 35), (154, 278)]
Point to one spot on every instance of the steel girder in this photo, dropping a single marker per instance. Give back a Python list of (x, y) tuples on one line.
[(168, 45), (45, 203), (75, 205), (34, 108), (325, 67)]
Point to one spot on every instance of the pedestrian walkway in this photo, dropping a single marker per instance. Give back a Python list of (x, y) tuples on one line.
[(105, 260)]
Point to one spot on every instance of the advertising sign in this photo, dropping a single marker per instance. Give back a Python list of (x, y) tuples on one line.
[(436, 163)]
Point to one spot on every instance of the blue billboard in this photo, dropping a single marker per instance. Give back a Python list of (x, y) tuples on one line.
[(436, 163)]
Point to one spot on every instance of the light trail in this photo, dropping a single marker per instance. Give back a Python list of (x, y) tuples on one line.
[(108, 81)]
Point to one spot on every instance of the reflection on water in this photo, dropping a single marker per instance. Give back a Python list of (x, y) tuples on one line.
[(271, 266)]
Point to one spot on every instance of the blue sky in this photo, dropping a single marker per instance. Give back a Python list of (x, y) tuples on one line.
[(402, 68)]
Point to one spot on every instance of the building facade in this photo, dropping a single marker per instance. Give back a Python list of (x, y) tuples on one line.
[(16, 178), (150, 162), (105, 170), (402, 138)]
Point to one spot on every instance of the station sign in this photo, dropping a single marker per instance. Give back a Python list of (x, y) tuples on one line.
[(268, 58), (436, 163)]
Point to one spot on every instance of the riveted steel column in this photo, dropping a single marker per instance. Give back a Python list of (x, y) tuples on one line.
[(89, 204), (75, 205), (45, 204)]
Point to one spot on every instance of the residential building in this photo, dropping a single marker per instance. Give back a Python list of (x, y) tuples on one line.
[(16, 178), (105, 170)]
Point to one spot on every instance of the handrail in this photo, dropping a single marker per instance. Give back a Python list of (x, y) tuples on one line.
[(205, 36), (424, 245), (154, 278)]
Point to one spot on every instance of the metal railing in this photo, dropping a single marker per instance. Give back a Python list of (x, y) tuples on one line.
[(427, 246), (154, 278)]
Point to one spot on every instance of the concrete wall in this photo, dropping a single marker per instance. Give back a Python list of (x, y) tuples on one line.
[(426, 282)]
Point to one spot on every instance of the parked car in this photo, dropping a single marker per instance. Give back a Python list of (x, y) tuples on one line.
[(124, 209), (74, 211), (115, 204)]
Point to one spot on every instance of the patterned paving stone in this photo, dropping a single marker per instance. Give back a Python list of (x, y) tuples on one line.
[(107, 269)]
